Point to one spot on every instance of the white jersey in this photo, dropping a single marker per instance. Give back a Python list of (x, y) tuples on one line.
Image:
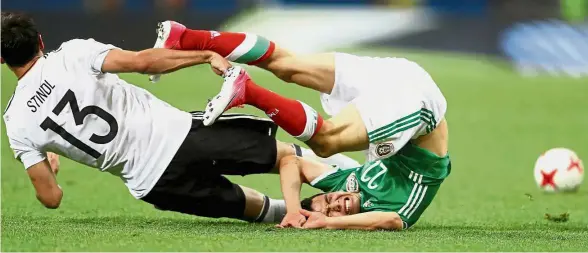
[(66, 105)]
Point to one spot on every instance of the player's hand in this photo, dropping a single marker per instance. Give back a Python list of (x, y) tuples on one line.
[(314, 220), (295, 220), (219, 64), (53, 160)]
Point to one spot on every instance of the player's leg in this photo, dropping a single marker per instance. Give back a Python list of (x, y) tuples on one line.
[(240, 145), (312, 71), (295, 117), (261, 208), (237, 145), (181, 189), (193, 184), (383, 120), (344, 132)]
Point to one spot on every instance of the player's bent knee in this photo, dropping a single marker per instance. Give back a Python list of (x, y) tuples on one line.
[(324, 152), (324, 145)]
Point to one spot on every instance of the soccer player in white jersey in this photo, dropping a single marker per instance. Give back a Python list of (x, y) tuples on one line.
[(388, 107), (70, 102)]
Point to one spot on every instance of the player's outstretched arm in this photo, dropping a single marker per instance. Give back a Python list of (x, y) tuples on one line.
[(361, 221), (294, 171), (160, 61), (48, 191)]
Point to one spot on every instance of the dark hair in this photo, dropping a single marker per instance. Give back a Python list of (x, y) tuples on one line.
[(20, 39), (307, 202)]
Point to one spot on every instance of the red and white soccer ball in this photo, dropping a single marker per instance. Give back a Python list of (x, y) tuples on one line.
[(559, 170)]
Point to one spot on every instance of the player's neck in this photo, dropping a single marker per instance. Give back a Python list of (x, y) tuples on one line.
[(23, 70)]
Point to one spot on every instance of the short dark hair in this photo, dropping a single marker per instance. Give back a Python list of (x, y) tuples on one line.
[(20, 39), (306, 203)]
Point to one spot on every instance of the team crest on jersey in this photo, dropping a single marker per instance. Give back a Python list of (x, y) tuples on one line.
[(352, 185), (384, 149)]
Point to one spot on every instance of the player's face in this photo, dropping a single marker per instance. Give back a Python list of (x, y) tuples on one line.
[(336, 203)]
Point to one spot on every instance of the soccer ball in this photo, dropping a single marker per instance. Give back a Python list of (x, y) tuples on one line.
[(559, 170)]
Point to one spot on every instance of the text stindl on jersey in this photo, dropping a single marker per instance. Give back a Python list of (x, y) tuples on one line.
[(40, 95)]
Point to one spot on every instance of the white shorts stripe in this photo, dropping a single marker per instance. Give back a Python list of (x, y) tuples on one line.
[(416, 195), (416, 176), (409, 198), (413, 200), (418, 203)]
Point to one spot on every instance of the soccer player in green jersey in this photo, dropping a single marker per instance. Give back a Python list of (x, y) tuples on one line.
[(390, 108), (390, 194)]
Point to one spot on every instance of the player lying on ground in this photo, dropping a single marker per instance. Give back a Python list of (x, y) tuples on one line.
[(389, 107), (69, 102)]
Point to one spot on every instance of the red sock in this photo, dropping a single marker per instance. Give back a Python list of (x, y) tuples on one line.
[(225, 43), (289, 114)]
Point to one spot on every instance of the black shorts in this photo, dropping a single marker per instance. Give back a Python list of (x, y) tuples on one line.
[(193, 183)]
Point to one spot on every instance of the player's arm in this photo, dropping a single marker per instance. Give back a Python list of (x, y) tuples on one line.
[(294, 171), (38, 168), (160, 61), (374, 220), (48, 191), (366, 221)]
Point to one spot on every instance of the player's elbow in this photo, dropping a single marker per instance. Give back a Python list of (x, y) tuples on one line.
[(141, 62), (52, 199)]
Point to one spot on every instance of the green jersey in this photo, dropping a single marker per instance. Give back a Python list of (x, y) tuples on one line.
[(404, 183)]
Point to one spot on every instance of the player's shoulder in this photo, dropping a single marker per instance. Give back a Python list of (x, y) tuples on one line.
[(79, 41), (77, 44)]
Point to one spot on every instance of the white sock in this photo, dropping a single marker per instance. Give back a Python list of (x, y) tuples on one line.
[(339, 160), (311, 122), (273, 210)]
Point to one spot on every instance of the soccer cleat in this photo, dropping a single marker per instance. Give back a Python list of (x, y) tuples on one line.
[(232, 94), (169, 34)]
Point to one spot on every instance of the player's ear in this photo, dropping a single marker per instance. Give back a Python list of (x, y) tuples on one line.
[(41, 43)]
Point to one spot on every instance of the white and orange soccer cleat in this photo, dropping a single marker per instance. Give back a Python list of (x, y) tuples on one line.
[(232, 94), (169, 34)]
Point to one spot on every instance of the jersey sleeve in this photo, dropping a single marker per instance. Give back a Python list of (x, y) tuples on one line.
[(88, 53), (332, 180), (24, 151)]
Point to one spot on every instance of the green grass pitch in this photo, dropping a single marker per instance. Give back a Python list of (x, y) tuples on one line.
[(499, 124)]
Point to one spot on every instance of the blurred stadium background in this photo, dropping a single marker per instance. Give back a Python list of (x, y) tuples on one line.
[(515, 74)]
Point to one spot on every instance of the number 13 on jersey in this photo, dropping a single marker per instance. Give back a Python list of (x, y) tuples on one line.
[(79, 115)]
